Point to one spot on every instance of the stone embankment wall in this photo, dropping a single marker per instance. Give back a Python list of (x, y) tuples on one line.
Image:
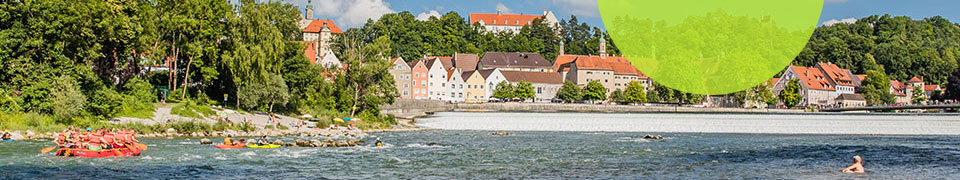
[(409, 109), (557, 107)]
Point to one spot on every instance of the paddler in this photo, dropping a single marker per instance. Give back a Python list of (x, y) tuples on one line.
[(262, 141), (6, 135), (378, 143), (228, 140)]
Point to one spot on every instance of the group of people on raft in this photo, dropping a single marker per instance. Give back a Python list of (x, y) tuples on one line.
[(229, 141), (96, 139)]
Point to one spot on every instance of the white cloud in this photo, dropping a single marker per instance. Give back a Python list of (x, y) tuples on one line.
[(835, 21), (579, 7), (504, 9), (424, 16), (836, 1), (348, 13)]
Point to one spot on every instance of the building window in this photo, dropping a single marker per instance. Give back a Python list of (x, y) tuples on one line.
[(431, 76), (443, 84)]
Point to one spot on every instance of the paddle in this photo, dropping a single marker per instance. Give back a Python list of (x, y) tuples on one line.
[(47, 149), (141, 146)]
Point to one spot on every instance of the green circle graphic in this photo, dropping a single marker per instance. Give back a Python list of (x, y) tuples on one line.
[(710, 46)]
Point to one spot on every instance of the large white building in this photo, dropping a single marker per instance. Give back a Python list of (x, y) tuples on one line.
[(500, 22)]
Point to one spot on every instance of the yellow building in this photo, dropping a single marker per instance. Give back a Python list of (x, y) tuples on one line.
[(475, 92)]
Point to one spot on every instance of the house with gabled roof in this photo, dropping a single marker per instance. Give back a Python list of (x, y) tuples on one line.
[(420, 73), (437, 76), (455, 85), (613, 72), (545, 84), (815, 87), (475, 91), (401, 73)]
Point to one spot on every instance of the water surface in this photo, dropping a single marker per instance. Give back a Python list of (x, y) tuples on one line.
[(456, 154)]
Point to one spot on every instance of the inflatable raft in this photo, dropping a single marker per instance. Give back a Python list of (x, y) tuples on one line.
[(79, 152)]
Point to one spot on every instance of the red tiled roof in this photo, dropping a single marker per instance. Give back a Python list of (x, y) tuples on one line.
[(317, 25), (931, 87), (861, 76), (619, 65), (503, 19), (533, 77), (813, 78), (898, 88), (915, 79), (839, 76)]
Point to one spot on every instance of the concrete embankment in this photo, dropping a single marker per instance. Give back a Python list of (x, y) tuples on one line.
[(409, 109)]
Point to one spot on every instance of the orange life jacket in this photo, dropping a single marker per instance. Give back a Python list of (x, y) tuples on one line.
[(108, 138)]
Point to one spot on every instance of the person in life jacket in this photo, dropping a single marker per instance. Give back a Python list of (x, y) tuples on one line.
[(378, 143), (228, 141), (109, 139), (262, 141), (6, 135)]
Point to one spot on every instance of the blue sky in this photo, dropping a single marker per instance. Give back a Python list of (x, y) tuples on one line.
[(352, 13)]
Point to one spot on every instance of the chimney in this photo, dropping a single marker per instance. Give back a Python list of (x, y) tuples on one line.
[(544, 12), (603, 48), (499, 12)]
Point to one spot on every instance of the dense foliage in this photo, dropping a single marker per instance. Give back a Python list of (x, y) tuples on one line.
[(508, 91), (876, 88), (569, 92), (452, 33), (89, 60), (790, 96), (902, 47)]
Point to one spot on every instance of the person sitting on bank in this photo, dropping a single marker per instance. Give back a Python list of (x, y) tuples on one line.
[(856, 167), (262, 141)]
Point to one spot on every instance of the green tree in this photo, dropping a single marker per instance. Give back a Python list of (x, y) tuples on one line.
[(504, 91), (594, 91), (265, 95), (919, 97), (790, 96), (569, 92), (66, 98), (953, 86), (365, 82), (653, 96), (524, 90), (618, 96), (876, 88), (635, 92)]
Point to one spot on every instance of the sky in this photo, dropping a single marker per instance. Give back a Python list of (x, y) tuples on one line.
[(353, 13)]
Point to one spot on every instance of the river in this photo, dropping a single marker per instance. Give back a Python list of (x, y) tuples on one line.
[(462, 153)]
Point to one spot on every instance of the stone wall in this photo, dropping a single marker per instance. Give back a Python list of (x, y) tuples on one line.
[(409, 109)]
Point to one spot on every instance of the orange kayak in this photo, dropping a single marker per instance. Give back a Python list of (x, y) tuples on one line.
[(224, 146)]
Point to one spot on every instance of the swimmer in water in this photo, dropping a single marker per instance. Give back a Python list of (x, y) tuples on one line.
[(856, 167)]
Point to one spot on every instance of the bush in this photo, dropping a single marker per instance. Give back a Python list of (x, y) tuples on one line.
[(190, 109), (29, 121), (67, 99)]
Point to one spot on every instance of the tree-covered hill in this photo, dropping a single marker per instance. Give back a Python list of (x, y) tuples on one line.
[(900, 46)]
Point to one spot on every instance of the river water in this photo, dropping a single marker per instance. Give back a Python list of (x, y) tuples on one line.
[(524, 154)]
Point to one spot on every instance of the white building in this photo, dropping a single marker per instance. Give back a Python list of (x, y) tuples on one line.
[(500, 22), (437, 76), (455, 85)]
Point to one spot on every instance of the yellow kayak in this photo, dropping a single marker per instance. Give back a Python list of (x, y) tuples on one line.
[(265, 146)]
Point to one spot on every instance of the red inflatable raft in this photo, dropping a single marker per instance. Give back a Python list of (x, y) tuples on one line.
[(78, 152), (224, 146)]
